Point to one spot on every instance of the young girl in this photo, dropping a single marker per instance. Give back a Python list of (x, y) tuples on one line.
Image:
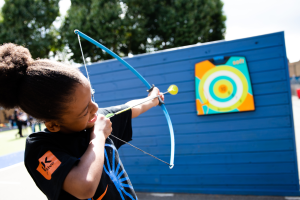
[(74, 157)]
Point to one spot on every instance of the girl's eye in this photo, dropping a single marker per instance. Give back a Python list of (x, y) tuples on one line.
[(86, 112)]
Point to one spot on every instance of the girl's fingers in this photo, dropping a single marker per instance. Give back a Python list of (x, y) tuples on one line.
[(162, 96)]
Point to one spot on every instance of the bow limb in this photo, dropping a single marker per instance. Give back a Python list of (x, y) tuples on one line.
[(145, 83)]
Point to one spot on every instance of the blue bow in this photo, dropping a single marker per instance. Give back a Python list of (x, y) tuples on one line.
[(144, 81)]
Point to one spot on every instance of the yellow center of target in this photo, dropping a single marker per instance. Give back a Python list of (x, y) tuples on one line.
[(223, 89)]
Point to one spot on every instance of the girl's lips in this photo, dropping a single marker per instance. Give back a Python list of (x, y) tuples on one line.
[(94, 119)]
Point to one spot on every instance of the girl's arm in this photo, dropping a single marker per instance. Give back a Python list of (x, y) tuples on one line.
[(137, 110), (84, 178)]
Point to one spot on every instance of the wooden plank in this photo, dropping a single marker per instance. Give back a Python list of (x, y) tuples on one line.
[(189, 108), (215, 169), (196, 51), (104, 71), (272, 99), (253, 157), (211, 127), (258, 89), (229, 147), (157, 138), (189, 97), (266, 64), (270, 88), (185, 113), (215, 180), (183, 66), (181, 125), (264, 77), (162, 79), (273, 190)]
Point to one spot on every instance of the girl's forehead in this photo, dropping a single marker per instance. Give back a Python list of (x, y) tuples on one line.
[(84, 80), (81, 98)]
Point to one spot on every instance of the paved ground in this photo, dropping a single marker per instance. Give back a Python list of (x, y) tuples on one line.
[(16, 184)]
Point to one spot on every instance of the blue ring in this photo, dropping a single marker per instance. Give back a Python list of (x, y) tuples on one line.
[(211, 89)]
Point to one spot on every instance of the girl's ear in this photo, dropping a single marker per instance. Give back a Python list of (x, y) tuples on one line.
[(52, 126)]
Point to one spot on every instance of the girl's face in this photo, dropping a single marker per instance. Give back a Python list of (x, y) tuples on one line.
[(81, 111)]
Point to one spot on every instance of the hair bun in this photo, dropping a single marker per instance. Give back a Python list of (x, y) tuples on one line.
[(13, 56), (14, 61)]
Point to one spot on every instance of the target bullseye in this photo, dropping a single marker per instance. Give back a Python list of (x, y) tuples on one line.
[(222, 88)]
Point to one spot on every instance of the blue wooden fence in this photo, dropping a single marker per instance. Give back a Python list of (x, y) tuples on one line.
[(237, 153)]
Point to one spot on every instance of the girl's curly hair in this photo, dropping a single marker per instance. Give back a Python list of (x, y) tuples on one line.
[(41, 88)]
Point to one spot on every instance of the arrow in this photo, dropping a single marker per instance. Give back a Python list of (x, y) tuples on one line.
[(173, 90)]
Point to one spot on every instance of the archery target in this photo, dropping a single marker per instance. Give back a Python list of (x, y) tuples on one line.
[(223, 88)]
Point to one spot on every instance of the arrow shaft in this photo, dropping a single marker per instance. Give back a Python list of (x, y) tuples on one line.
[(121, 111)]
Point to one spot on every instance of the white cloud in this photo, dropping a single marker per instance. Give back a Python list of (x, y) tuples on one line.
[(246, 18)]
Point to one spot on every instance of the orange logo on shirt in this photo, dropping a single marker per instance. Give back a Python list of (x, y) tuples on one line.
[(48, 163), (101, 197)]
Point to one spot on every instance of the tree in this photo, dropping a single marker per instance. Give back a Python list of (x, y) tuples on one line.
[(141, 26), (174, 23), (99, 19), (29, 23)]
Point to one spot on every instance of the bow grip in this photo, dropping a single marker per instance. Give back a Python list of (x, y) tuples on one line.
[(159, 99)]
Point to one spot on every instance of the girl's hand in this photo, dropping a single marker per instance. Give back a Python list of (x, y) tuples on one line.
[(83, 179), (154, 93), (102, 126)]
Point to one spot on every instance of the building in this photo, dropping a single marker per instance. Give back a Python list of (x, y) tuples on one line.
[(294, 69)]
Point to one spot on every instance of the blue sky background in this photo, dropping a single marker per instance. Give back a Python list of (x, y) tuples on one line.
[(246, 18)]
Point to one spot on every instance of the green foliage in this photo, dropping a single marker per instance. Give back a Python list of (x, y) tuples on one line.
[(174, 23), (29, 23), (145, 26), (1, 18), (99, 19)]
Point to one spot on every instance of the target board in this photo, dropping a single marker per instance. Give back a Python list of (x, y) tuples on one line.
[(223, 85)]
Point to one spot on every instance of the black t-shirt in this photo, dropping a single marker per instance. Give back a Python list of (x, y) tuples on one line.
[(50, 156)]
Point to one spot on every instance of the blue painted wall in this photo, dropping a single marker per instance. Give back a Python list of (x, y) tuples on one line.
[(237, 153)]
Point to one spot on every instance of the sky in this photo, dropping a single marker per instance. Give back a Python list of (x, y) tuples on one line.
[(247, 18)]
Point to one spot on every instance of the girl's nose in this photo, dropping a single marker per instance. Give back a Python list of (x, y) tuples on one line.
[(94, 108)]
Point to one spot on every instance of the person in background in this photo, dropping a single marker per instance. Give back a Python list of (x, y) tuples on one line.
[(21, 120), (33, 123), (16, 119), (11, 121)]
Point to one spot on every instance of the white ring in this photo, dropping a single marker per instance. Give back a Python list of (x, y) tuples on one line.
[(233, 100)]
